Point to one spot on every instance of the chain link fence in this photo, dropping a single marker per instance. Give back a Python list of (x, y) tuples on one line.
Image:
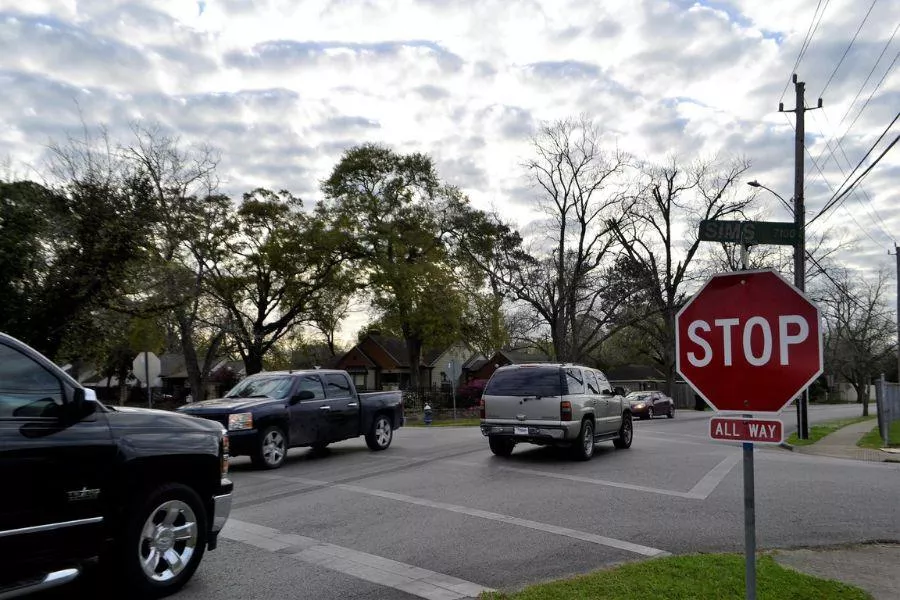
[(441, 403)]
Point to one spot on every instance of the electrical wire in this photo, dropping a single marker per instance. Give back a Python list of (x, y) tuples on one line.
[(847, 49), (867, 204), (810, 34), (869, 76), (843, 194)]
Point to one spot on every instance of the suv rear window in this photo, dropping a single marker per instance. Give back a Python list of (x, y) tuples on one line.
[(526, 381)]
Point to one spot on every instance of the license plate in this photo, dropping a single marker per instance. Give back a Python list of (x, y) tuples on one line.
[(521, 431)]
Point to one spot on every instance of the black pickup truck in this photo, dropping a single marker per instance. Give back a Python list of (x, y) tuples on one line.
[(145, 492), (269, 412)]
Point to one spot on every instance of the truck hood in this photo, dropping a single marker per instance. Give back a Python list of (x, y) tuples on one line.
[(221, 405), (128, 418)]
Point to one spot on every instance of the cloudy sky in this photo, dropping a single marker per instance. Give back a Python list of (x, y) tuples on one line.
[(281, 87)]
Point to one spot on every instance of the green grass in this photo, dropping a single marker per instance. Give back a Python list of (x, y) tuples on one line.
[(873, 438), (817, 432), (696, 577), (447, 423)]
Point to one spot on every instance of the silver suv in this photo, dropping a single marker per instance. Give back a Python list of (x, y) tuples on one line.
[(553, 404)]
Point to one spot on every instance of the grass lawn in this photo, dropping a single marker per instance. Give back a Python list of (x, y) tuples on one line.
[(817, 432), (873, 438), (447, 423), (695, 577)]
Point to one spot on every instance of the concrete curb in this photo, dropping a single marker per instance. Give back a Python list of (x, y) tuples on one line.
[(786, 446)]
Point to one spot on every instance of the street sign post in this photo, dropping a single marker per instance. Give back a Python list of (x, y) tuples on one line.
[(146, 367), (758, 431), (749, 233), (748, 342)]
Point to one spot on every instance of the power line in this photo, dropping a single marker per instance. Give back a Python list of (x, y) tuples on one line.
[(839, 197), (872, 148), (869, 76), (875, 89), (867, 204), (847, 49), (810, 34)]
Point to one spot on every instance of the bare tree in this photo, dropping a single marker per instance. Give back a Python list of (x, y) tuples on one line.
[(561, 276), (184, 186), (661, 239), (859, 330)]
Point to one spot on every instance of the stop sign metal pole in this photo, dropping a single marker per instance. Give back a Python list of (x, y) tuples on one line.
[(749, 492), (147, 371)]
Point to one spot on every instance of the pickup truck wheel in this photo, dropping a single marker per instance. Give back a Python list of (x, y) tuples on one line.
[(626, 433), (165, 537), (380, 434), (583, 448), (501, 446), (271, 448), (671, 413)]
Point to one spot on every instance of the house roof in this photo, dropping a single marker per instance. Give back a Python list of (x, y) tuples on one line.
[(517, 357), (171, 365), (474, 365), (395, 348), (634, 373)]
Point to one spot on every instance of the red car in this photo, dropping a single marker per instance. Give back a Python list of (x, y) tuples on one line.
[(649, 404)]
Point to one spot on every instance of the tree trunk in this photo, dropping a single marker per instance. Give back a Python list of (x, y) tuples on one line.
[(191, 364), (865, 399), (414, 353), (122, 374), (253, 360)]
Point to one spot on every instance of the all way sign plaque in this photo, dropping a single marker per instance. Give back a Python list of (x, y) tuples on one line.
[(735, 429)]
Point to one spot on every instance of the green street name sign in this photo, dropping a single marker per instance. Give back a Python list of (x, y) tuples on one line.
[(748, 232)]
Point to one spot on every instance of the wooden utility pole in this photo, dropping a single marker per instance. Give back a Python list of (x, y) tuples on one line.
[(800, 221)]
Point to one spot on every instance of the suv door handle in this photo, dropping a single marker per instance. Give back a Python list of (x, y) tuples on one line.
[(324, 408), (353, 405)]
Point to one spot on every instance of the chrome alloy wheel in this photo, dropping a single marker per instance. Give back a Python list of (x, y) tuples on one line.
[(168, 541)]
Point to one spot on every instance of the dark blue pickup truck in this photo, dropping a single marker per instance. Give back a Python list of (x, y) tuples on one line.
[(269, 412)]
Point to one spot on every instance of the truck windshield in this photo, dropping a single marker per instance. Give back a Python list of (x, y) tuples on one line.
[(262, 386), (526, 381)]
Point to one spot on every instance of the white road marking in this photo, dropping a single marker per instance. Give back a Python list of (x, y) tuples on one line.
[(711, 480), (492, 516), (483, 514), (580, 479), (700, 491), (369, 567)]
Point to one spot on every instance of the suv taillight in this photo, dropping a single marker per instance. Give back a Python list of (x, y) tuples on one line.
[(565, 411), (481, 410)]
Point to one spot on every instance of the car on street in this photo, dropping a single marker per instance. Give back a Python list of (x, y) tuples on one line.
[(144, 491), (553, 404), (651, 403), (270, 412)]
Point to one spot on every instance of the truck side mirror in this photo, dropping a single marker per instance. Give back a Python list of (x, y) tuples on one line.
[(78, 399), (302, 395)]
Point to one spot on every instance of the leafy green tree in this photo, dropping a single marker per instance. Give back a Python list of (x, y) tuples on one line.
[(67, 248), (398, 218), (274, 260)]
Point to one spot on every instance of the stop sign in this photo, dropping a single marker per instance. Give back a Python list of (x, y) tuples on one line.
[(748, 341)]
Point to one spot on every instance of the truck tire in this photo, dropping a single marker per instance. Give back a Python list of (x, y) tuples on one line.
[(380, 434), (271, 448), (165, 535), (626, 433), (583, 448), (501, 446)]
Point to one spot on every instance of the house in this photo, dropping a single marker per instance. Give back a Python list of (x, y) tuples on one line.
[(636, 377), (381, 362), (501, 358)]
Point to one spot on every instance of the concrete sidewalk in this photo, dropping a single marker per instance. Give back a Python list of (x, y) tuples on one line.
[(872, 567), (842, 444)]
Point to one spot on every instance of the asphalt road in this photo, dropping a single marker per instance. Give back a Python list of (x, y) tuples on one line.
[(437, 516)]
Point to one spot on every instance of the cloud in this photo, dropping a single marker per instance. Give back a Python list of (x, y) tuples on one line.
[(282, 88)]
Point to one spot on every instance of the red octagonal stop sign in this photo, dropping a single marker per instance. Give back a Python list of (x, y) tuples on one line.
[(749, 342)]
